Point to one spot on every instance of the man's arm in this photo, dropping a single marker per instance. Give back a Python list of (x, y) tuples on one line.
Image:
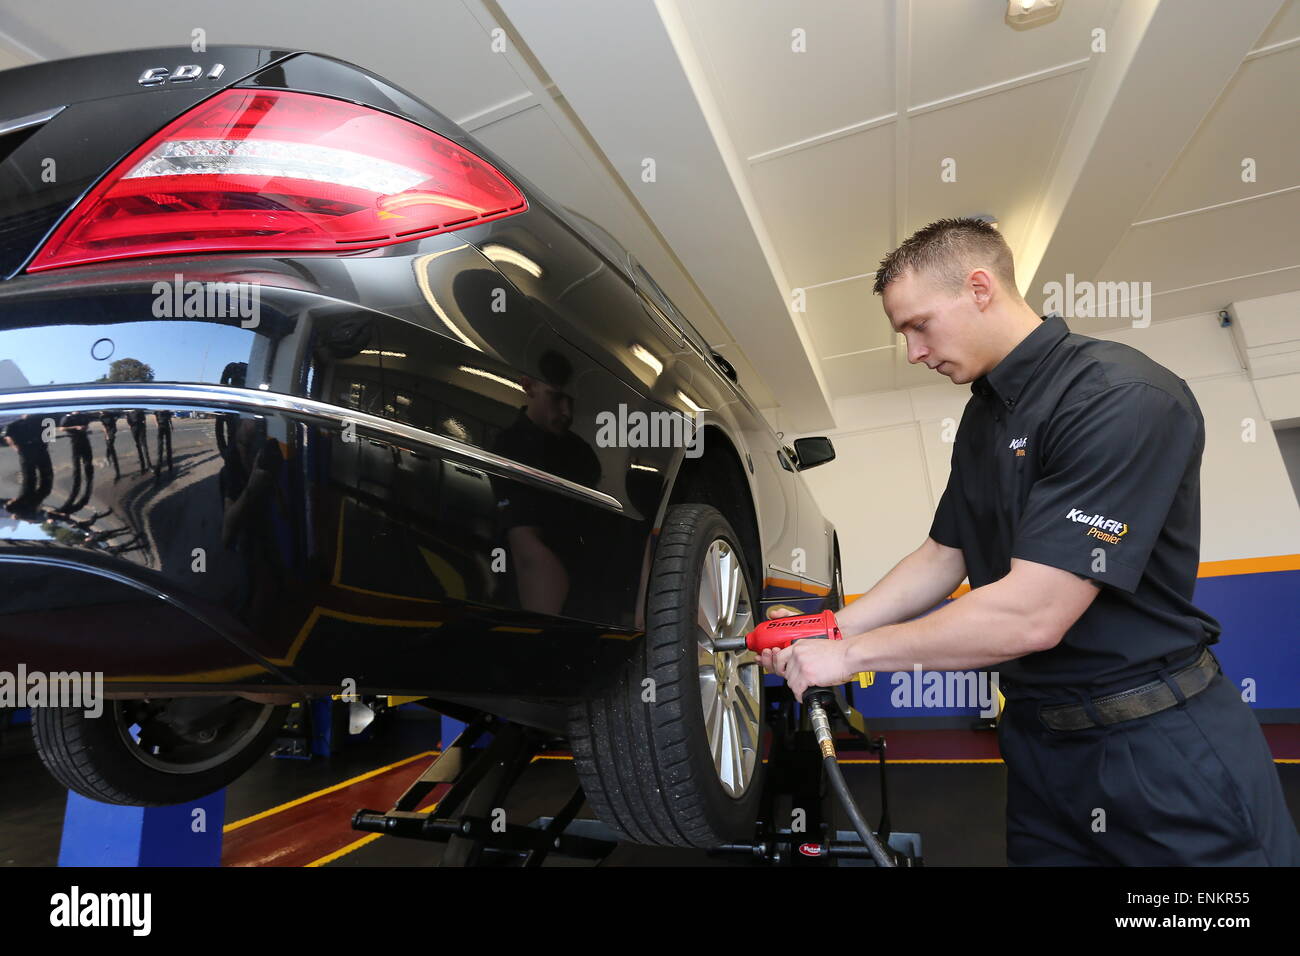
[(1028, 610), (917, 583)]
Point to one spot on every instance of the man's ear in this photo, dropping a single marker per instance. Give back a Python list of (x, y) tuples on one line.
[(980, 284)]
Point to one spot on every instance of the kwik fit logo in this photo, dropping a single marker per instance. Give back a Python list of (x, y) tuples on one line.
[(1107, 529)]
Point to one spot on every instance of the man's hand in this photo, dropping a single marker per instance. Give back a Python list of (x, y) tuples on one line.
[(807, 663)]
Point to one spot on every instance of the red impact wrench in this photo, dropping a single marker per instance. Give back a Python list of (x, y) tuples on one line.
[(778, 635)]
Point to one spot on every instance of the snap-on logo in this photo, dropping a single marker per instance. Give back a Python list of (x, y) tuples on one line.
[(1018, 446), (1107, 529)]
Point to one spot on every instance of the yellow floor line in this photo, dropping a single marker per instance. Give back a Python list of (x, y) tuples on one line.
[(320, 793), (355, 845), (358, 844)]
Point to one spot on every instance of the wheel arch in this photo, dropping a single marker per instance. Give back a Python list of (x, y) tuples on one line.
[(717, 478)]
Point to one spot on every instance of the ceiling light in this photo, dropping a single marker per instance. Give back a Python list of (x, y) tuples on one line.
[(1026, 12)]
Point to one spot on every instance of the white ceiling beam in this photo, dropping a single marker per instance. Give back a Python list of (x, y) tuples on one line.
[(1165, 65), (629, 72)]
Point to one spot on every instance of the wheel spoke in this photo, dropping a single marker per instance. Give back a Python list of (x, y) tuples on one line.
[(742, 622), (735, 607), (708, 693), (728, 768), (715, 721), (710, 596), (745, 698), (730, 703), (707, 613), (737, 756)]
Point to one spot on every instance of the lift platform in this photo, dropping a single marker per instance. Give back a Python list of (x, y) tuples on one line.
[(468, 819)]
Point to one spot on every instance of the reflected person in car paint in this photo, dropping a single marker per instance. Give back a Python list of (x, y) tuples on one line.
[(23, 434), (542, 531)]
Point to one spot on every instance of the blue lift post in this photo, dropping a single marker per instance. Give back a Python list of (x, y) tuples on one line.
[(102, 834), (451, 729)]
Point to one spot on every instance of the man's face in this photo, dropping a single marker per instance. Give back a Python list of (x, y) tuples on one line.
[(551, 408), (942, 330)]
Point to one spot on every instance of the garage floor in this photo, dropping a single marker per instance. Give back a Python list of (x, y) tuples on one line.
[(948, 785)]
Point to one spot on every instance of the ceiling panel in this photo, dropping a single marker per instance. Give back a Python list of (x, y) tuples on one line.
[(957, 47), (1002, 145), (863, 372), (1243, 123), (1215, 295), (1285, 26), (846, 317), (529, 141), (828, 208), (1243, 239), (773, 96)]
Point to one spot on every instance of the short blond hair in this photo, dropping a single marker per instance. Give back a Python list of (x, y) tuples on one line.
[(946, 251)]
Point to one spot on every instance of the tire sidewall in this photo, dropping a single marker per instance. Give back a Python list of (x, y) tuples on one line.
[(730, 818), (133, 782)]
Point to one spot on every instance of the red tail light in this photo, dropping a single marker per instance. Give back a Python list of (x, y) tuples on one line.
[(275, 171)]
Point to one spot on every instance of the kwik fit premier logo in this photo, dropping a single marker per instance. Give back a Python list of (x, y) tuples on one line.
[(1106, 529)]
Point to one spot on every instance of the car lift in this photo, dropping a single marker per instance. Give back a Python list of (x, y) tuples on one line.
[(796, 779), (481, 778)]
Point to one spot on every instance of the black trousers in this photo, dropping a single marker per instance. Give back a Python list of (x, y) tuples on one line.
[(1193, 785)]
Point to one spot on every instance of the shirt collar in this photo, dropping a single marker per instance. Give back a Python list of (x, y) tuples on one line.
[(1006, 380)]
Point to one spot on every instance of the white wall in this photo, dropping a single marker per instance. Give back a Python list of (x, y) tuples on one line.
[(893, 461)]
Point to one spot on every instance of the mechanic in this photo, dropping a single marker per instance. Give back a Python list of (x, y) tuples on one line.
[(1073, 506)]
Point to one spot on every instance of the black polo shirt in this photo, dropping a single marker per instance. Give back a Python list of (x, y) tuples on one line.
[(1085, 455)]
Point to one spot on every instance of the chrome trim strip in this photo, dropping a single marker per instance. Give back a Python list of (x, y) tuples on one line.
[(133, 395), (795, 574), (23, 122)]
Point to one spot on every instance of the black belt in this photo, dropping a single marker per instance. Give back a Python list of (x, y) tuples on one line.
[(1136, 702)]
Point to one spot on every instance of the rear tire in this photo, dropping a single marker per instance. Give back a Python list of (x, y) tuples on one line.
[(103, 758), (657, 771)]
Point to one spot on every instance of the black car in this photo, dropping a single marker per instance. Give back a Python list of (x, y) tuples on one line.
[(303, 391)]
